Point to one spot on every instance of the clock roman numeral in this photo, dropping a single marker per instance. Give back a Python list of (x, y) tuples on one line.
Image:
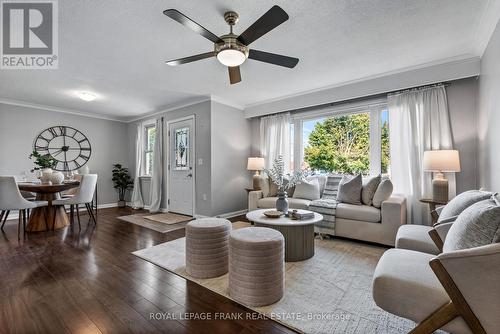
[(41, 148), (77, 165), (53, 132), (84, 148), (62, 130)]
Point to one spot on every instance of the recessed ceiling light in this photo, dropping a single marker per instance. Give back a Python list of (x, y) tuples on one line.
[(86, 96)]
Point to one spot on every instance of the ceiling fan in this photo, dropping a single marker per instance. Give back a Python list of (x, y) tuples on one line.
[(232, 50)]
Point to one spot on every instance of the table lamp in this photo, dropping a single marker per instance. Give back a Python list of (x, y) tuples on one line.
[(256, 164), (441, 161)]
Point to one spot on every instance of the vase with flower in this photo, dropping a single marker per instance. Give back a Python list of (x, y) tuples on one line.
[(44, 164)]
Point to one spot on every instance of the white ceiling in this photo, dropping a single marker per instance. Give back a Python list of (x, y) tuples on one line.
[(117, 49)]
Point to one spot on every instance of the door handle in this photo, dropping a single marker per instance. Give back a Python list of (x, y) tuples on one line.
[(190, 175)]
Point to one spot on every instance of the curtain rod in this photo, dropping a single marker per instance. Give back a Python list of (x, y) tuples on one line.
[(401, 91)]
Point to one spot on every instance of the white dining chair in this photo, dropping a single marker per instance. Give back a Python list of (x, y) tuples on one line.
[(84, 195), (11, 199)]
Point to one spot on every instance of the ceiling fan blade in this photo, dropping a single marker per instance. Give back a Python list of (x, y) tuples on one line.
[(190, 59), (273, 58), (186, 21), (234, 74), (267, 22)]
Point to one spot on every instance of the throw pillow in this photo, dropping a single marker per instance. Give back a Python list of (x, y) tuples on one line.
[(307, 190), (370, 186), (383, 192), (478, 225), (461, 202), (350, 189)]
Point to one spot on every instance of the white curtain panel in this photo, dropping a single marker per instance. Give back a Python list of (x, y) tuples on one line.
[(419, 121), (137, 201), (157, 172), (275, 139)]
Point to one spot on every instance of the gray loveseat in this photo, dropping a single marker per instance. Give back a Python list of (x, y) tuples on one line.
[(361, 222)]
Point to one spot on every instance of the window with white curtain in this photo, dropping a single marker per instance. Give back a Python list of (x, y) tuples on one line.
[(346, 139), (148, 145)]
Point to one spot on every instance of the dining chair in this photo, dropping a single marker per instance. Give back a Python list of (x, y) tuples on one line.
[(84, 195), (11, 199)]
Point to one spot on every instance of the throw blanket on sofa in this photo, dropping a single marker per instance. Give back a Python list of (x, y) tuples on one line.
[(327, 205)]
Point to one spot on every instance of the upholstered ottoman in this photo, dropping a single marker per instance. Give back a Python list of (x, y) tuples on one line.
[(256, 266), (207, 247)]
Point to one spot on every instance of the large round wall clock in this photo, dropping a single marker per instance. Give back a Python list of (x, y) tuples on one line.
[(67, 145)]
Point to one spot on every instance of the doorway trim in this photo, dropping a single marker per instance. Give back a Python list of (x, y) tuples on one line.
[(186, 118)]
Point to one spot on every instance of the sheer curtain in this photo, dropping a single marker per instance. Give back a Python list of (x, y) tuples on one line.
[(137, 201), (275, 139), (419, 121), (157, 172)]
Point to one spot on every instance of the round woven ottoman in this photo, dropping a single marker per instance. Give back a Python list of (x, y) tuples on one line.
[(207, 247), (256, 266)]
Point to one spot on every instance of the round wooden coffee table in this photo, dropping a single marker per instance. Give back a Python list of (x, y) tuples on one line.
[(299, 234), (52, 216)]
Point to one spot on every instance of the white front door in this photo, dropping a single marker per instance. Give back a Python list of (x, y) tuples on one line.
[(181, 167)]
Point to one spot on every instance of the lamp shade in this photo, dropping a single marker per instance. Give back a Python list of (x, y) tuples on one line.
[(441, 161), (255, 163)]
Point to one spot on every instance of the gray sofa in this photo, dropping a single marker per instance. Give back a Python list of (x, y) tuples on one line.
[(361, 222)]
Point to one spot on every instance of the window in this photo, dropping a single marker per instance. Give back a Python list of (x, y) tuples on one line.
[(352, 139), (385, 153), (149, 140)]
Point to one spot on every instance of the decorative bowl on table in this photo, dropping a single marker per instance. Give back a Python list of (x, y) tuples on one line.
[(273, 214)]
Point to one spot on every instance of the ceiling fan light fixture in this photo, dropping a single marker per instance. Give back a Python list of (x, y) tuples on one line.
[(231, 57)]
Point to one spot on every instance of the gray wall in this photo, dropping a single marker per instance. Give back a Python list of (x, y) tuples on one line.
[(489, 115), (203, 172), (462, 103), (20, 125), (231, 147)]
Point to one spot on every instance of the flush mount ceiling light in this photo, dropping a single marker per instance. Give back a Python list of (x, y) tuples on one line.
[(232, 50), (86, 96)]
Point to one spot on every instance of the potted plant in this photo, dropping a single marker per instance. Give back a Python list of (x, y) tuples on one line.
[(44, 163), (283, 182), (122, 182)]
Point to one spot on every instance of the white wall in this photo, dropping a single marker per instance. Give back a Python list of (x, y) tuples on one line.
[(20, 125), (489, 115), (231, 147)]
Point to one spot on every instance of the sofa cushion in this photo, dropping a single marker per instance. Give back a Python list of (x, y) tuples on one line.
[(358, 212), (384, 191), (370, 186), (478, 225), (293, 203), (307, 189), (405, 285), (461, 202), (350, 189), (417, 238)]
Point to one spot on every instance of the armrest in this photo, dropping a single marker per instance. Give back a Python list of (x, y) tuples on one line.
[(253, 197), (394, 211), (439, 209), (475, 273)]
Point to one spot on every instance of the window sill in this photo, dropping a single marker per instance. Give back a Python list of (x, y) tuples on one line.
[(146, 177)]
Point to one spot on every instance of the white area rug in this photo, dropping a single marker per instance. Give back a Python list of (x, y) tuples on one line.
[(329, 293)]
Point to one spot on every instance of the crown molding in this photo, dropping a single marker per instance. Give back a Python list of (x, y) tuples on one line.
[(486, 26), (19, 103), (226, 102), (172, 108), (445, 70)]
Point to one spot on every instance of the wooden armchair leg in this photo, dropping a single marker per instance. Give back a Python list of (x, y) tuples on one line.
[(437, 319), (437, 239)]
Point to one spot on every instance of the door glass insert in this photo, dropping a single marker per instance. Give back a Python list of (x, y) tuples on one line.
[(181, 149)]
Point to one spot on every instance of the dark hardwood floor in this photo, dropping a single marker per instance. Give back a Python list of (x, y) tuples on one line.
[(69, 281)]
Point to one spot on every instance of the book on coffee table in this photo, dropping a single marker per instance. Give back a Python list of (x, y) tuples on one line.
[(301, 215)]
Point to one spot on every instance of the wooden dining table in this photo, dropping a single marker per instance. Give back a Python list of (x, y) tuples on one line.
[(51, 217)]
